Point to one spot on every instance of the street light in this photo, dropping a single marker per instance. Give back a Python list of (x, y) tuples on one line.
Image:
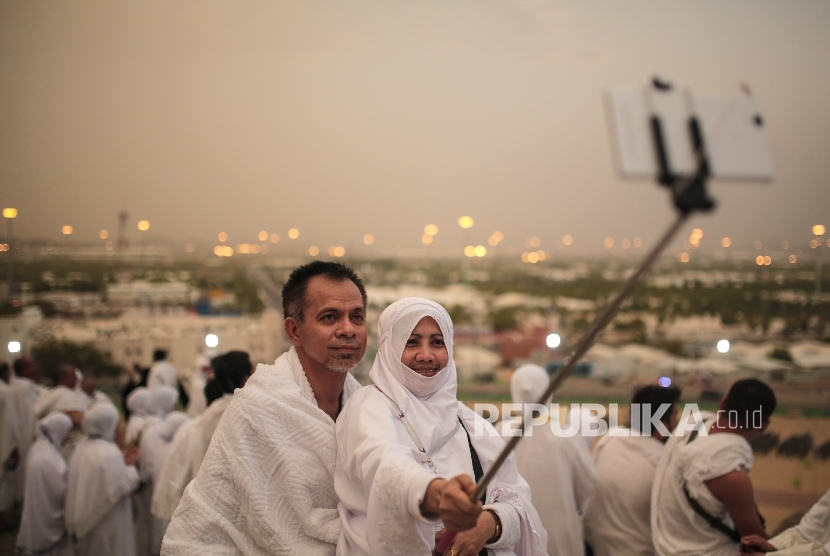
[(14, 347), (10, 214), (211, 340), (723, 346)]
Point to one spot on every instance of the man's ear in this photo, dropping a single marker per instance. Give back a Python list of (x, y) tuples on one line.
[(292, 330)]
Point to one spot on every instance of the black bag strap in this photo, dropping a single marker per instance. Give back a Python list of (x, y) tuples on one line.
[(710, 519)]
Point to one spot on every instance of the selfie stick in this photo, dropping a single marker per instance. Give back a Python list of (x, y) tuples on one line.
[(689, 195)]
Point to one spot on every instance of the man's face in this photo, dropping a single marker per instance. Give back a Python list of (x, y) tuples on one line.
[(333, 331)]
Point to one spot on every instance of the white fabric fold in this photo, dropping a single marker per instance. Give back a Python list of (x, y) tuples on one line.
[(265, 485)]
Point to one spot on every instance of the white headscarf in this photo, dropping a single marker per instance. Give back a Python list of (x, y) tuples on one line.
[(164, 399), (55, 427), (98, 477), (171, 424), (429, 403), (527, 383), (139, 402)]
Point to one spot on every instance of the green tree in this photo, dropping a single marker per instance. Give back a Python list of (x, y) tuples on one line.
[(51, 353)]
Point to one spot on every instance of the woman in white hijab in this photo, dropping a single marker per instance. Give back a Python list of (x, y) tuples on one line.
[(140, 404), (98, 507), (155, 444), (42, 526), (558, 469), (399, 440)]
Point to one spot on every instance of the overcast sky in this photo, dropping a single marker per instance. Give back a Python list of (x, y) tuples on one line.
[(347, 118)]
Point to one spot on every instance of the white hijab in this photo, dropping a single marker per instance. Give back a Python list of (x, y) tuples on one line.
[(163, 400), (98, 477), (139, 402), (42, 520), (429, 403)]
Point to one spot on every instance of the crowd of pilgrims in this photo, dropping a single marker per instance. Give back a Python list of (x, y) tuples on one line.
[(86, 479), (83, 478)]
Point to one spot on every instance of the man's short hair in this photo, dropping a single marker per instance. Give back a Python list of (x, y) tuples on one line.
[(655, 396), (21, 364), (231, 369), (159, 355), (746, 397), (294, 299)]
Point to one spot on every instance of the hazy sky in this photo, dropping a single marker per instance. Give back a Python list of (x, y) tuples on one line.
[(346, 118)]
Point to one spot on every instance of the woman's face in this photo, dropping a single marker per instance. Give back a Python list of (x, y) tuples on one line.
[(425, 351)]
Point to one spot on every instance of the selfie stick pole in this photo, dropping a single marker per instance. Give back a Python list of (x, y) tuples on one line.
[(689, 195)]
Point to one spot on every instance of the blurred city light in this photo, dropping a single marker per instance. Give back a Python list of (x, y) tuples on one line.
[(818, 230), (638, 242), (66, 230), (535, 241), (553, 340), (684, 257), (465, 222), (190, 247), (480, 251), (792, 258), (223, 237), (758, 245), (143, 225), (431, 229), (470, 251), (103, 234), (726, 242), (664, 381), (608, 242), (14, 347), (313, 250), (625, 244), (293, 233), (9, 212), (785, 245), (723, 346), (368, 239), (211, 340), (262, 235), (568, 239), (426, 239), (275, 237)]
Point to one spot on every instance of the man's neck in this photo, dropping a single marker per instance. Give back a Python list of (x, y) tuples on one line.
[(722, 426), (327, 385)]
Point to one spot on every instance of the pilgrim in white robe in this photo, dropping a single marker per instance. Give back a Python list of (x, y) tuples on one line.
[(196, 387), (558, 469), (618, 517), (25, 394), (42, 526), (140, 404), (811, 537), (382, 474), (265, 485), (175, 473), (155, 443), (676, 529), (69, 401), (204, 430), (163, 400), (98, 505), (162, 373), (8, 445)]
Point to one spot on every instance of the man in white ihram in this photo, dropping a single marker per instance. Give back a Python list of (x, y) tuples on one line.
[(266, 485)]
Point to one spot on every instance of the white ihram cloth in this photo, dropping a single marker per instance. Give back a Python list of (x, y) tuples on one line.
[(617, 519), (25, 393), (60, 398), (677, 530), (811, 537), (175, 473), (8, 444), (382, 477), (203, 433), (155, 443), (196, 387), (558, 469), (162, 373), (42, 526), (266, 483), (98, 505)]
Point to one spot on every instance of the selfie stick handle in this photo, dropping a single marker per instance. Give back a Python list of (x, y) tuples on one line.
[(689, 195)]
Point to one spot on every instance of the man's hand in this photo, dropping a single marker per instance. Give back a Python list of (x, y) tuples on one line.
[(451, 501), (131, 456), (471, 541), (754, 544)]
